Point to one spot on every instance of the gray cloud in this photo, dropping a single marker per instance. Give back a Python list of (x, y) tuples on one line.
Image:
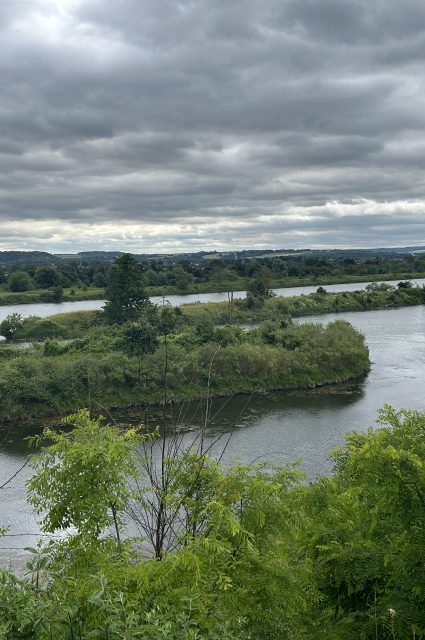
[(193, 124)]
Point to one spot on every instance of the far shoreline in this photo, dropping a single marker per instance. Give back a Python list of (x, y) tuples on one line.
[(46, 296)]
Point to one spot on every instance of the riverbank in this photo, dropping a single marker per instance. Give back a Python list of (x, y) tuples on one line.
[(262, 552), (241, 284), (45, 295), (98, 293), (278, 308), (75, 324)]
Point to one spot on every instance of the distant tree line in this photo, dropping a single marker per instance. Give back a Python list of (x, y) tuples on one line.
[(219, 273)]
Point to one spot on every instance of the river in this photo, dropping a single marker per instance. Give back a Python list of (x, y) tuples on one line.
[(276, 426), (44, 309)]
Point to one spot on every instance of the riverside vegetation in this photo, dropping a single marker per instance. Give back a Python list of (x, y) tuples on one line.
[(255, 308), (137, 353), (247, 551), (27, 277), (114, 365), (116, 358), (254, 551)]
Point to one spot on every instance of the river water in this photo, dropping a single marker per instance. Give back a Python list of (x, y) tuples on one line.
[(275, 426)]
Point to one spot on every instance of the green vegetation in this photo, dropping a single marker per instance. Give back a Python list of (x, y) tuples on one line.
[(163, 355), (62, 325), (125, 295), (249, 551), (45, 278), (122, 365), (69, 294), (19, 281), (60, 490), (377, 296), (87, 362), (252, 551)]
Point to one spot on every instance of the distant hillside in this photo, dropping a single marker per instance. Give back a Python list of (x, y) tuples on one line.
[(100, 255), (43, 257), (25, 257)]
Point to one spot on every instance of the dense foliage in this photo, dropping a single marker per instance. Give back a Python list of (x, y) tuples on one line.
[(250, 551), (125, 292), (45, 277), (121, 365), (376, 296), (272, 558)]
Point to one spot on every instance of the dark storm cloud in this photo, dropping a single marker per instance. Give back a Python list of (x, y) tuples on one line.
[(195, 124)]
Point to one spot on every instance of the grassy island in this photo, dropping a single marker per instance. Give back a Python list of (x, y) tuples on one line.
[(110, 367), (135, 353), (378, 296)]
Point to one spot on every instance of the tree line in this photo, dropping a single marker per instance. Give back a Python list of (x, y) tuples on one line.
[(215, 274)]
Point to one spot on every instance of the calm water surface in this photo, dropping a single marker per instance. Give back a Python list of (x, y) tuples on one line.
[(275, 426)]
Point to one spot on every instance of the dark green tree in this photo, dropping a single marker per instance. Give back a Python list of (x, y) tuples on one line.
[(404, 284), (139, 339), (19, 281), (10, 325), (257, 291), (47, 276), (125, 293), (321, 291), (57, 293)]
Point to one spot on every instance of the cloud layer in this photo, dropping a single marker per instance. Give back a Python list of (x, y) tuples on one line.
[(209, 124)]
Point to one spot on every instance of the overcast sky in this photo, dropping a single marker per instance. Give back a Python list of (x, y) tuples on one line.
[(170, 126)]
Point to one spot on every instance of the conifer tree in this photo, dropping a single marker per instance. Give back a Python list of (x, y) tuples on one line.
[(125, 294)]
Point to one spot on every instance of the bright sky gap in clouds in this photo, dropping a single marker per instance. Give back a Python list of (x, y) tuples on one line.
[(171, 126)]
